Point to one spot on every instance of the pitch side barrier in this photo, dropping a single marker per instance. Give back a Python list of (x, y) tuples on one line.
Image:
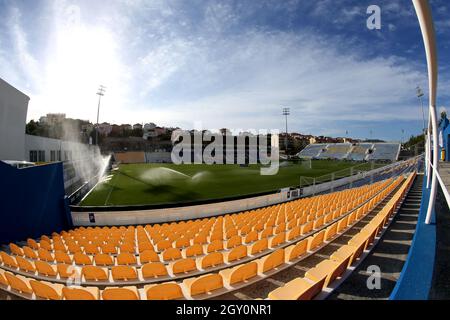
[(131, 215)]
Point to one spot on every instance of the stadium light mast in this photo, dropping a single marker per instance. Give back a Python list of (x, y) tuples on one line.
[(100, 93), (286, 112), (420, 94), (425, 18)]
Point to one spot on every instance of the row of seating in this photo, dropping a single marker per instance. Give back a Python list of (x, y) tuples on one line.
[(324, 273), (225, 279), (251, 230), (175, 269)]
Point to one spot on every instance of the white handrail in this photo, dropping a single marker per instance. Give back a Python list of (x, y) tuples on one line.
[(443, 187)]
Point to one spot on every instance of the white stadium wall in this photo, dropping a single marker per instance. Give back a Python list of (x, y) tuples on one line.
[(13, 117)]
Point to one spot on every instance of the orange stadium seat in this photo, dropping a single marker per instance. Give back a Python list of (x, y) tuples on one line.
[(47, 290), (163, 291), (125, 273), (183, 266), (211, 260), (46, 269), (81, 293), (126, 258), (271, 261), (204, 284), (240, 273), (18, 283), (94, 273), (25, 265), (123, 293), (148, 256), (154, 270)]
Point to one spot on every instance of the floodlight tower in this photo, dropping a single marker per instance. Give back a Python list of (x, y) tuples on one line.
[(286, 112), (420, 94), (100, 93)]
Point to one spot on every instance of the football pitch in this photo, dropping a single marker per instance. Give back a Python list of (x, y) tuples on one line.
[(149, 184)]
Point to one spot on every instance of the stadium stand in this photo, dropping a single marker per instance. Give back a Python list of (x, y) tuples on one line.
[(336, 151), (217, 254), (312, 150), (360, 151), (385, 151)]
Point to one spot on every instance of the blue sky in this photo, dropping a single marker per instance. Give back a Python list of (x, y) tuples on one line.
[(231, 64)]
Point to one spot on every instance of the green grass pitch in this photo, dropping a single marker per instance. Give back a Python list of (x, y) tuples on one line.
[(142, 184)]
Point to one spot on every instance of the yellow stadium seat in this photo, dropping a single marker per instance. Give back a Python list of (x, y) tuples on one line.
[(45, 255), (123, 293), (163, 291), (251, 237), (183, 266), (29, 253), (194, 250), (91, 249), (297, 289), (62, 257), (144, 246), (82, 259), (329, 269), (163, 245), (296, 250), (267, 232), (73, 248), (3, 282), (204, 284), (316, 240), (182, 242), (126, 259), (240, 273), (148, 256), (200, 239), (102, 259), (125, 273), (154, 270), (342, 224), (277, 240), (66, 271), (216, 245), (18, 283), (294, 233), (233, 242), (25, 265), (345, 253), (8, 260), (46, 269), (109, 249), (94, 273), (213, 259), (81, 293), (47, 290), (259, 246), (271, 261), (236, 253), (32, 244), (307, 227), (171, 254), (127, 248), (330, 232), (16, 250)]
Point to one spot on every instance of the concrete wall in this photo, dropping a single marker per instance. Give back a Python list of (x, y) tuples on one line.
[(111, 218), (13, 117), (158, 157)]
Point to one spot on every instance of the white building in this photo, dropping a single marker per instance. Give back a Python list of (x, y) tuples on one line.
[(13, 117)]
